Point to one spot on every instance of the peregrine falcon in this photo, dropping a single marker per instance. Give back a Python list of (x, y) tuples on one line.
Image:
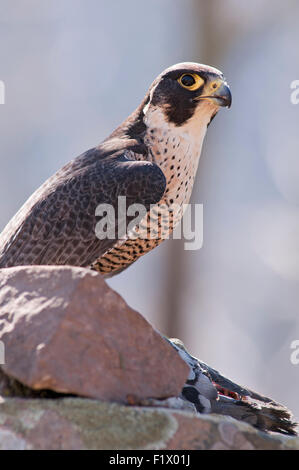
[(150, 159)]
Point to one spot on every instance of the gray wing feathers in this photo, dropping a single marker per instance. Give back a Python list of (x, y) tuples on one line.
[(57, 224)]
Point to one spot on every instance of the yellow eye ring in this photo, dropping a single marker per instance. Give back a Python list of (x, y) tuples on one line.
[(190, 81)]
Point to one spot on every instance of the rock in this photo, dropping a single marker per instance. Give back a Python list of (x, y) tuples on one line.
[(65, 330), (77, 423)]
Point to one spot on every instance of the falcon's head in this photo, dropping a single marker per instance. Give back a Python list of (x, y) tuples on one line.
[(187, 92)]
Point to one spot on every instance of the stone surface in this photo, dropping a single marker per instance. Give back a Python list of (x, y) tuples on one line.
[(76, 423), (65, 330)]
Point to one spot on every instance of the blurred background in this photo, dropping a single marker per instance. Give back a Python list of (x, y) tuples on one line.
[(74, 69)]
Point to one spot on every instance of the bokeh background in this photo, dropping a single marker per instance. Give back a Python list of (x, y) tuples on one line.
[(74, 69)]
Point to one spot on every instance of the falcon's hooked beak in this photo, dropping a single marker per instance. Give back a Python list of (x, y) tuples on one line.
[(218, 91)]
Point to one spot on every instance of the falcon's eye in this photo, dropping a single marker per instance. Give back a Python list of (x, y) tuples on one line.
[(190, 81)]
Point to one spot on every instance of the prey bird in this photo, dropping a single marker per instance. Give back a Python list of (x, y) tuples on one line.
[(210, 392)]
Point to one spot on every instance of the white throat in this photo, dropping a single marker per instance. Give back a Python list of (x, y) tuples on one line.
[(177, 149)]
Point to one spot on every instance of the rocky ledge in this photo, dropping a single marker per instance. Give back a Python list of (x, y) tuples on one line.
[(76, 423), (78, 360)]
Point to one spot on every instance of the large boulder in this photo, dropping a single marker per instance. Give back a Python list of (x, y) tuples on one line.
[(65, 330)]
